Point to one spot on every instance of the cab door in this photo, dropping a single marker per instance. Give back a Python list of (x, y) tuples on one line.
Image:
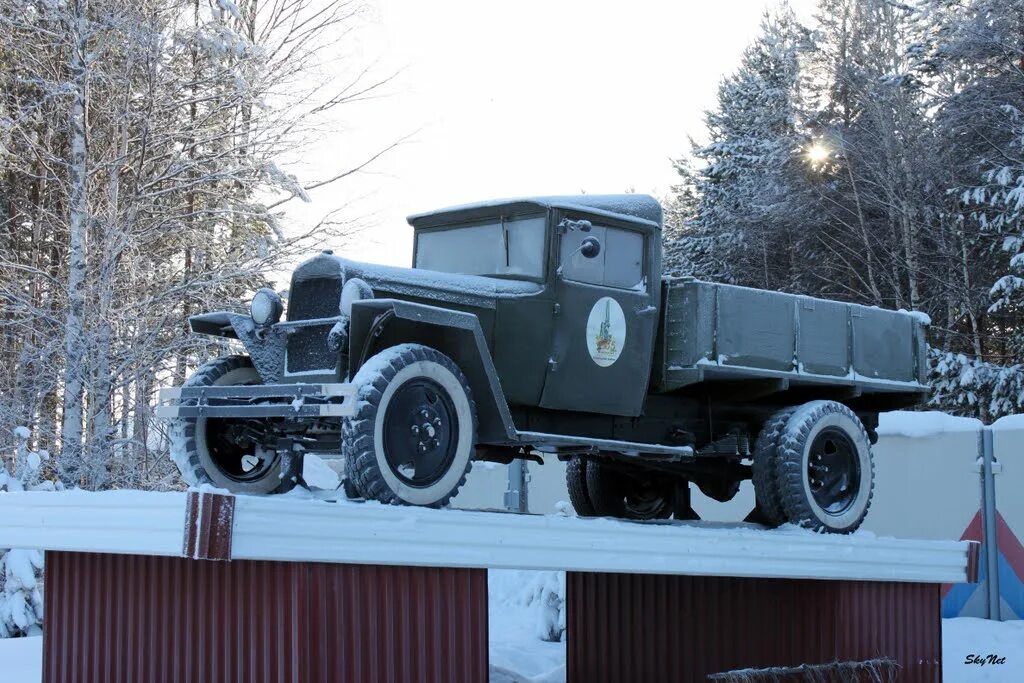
[(605, 318)]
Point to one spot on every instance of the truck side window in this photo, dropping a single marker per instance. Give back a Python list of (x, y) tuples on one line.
[(624, 265), (620, 263)]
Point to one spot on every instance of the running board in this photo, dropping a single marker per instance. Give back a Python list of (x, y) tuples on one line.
[(558, 443)]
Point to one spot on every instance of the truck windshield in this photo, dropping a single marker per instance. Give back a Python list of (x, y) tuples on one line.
[(510, 247)]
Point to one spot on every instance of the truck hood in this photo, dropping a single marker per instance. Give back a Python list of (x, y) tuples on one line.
[(473, 290)]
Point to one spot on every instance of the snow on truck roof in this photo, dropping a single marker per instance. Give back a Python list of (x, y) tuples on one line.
[(635, 208)]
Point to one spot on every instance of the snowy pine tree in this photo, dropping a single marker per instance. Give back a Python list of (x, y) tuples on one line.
[(875, 159), (986, 40), (21, 589), (680, 210), (975, 58), (743, 187)]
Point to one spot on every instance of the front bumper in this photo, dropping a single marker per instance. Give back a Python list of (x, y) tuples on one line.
[(261, 400)]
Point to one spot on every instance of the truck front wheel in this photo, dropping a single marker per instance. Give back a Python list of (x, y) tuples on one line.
[(226, 452), (411, 439), (824, 473)]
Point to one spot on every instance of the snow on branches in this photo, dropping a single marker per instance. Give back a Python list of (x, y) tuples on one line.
[(968, 386), (541, 592), (21, 589), (878, 160), (741, 193), (148, 153)]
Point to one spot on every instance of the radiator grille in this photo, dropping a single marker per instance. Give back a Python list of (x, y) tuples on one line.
[(307, 346), (307, 350), (317, 298)]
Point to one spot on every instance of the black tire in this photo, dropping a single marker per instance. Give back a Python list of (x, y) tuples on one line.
[(615, 493), (766, 492), (383, 441), (202, 455), (824, 470), (576, 482), (352, 492)]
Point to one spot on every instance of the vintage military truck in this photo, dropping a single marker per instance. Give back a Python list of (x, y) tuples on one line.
[(544, 325)]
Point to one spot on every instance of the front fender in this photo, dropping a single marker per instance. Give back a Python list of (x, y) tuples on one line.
[(378, 324), (266, 348), (217, 324)]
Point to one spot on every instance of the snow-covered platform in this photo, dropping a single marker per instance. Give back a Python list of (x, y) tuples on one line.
[(295, 528), (297, 588)]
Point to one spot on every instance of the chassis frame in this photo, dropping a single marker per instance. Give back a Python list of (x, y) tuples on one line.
[(306, 401)]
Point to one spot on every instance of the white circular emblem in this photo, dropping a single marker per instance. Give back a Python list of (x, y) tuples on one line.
[(606, 331)]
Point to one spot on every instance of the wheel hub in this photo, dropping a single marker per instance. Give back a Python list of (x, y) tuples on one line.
[(420, 432), (833, 470), (235, 446), (424, 427), (643, 499)]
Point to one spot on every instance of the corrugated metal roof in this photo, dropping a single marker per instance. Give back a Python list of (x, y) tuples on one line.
[(121, 618), (678, 628), (276, 528)]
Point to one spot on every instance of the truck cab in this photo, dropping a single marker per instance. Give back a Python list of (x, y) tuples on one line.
[(584, 340)]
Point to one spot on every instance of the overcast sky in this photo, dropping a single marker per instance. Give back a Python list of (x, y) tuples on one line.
[(520, 98)]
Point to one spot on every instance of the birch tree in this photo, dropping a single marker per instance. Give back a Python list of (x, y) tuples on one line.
[(77, 27), (144, 149)]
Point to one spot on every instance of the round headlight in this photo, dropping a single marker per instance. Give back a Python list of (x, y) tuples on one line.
[(353, 291), (266, 307)]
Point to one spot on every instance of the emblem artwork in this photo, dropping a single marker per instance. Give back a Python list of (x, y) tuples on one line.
[(606, 331)]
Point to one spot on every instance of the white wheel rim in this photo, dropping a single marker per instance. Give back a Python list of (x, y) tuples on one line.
[(427, 495)]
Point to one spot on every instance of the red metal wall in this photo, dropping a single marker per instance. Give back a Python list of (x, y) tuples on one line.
[(626, 627), (114, 618)]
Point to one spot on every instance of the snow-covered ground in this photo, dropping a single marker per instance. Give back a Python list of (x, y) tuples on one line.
[(972, 649), (518, 655), (21, 659), (518, 614)]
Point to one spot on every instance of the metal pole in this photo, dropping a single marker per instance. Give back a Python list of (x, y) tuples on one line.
[(988, 501), (517, 497)]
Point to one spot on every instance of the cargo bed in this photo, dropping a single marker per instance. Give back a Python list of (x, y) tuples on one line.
[(714, 332)]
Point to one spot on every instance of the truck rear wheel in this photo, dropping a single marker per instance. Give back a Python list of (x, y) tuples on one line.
[(411, 439), (599, 490), (222, 451), (766, 492), (576, 483), (824, 473)]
